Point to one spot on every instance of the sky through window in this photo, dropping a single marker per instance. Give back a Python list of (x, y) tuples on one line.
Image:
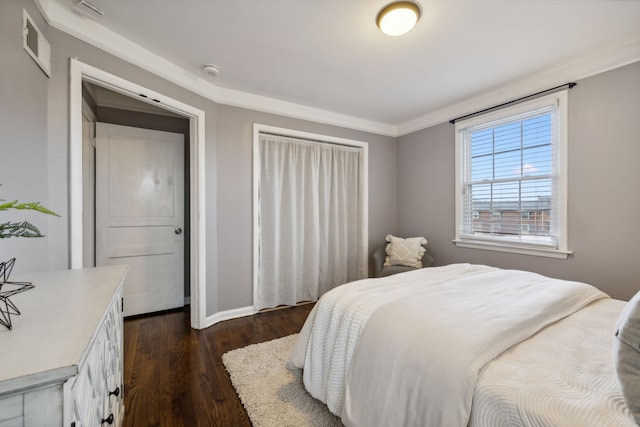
[(512, 161)]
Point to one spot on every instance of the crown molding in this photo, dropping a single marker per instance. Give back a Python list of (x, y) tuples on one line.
[(575, 70), (64, 19), (251, 101)]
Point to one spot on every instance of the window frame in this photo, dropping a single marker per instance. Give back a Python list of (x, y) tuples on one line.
[(561, 251)]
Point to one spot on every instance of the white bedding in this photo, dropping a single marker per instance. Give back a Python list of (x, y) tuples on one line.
[(328, 338), (409, 352), (562, 376)]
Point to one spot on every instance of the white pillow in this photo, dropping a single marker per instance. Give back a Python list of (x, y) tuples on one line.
[(627, 354), (407, 252)]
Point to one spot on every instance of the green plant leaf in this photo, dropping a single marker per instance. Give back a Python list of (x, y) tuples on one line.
[(8, 205), (19, 229), (33, 206), (25, 228)]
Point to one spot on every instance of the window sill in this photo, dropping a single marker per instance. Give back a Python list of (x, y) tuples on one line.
[(500, 247)]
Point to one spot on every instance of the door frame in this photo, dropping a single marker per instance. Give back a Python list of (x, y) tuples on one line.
[(88, 193), (80, 72)]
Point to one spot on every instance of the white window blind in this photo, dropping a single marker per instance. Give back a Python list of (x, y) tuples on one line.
[(511, 182)]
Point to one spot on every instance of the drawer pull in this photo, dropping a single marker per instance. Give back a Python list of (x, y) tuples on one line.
[(108, 420), (115, 392)]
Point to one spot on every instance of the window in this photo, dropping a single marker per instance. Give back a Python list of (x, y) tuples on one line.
[(511, 164)]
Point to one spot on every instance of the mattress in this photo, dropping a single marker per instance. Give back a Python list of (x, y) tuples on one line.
[(562, 376), (382, 352)]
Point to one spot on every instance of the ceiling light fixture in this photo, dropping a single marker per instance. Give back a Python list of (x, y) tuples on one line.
[(398, 18), (212, 70)]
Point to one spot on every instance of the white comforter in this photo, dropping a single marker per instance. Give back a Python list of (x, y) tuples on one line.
[(562, 376), (406, 350), (328, 338)]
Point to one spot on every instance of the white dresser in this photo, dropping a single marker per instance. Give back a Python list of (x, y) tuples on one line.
[(61, 365)]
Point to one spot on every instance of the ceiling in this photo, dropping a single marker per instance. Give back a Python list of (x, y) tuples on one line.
[(329, 54), (104, 97)]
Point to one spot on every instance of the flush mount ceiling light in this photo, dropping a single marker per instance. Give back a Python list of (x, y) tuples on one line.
[(398, 18), (211, 69)]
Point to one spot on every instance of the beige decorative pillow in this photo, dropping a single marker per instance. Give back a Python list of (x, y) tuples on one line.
[(406, 252)]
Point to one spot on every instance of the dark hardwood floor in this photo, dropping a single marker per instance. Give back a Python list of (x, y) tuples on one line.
[(174, 376)]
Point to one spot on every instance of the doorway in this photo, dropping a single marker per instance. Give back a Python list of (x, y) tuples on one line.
[(195, 222), (137, 156), (140, 213)]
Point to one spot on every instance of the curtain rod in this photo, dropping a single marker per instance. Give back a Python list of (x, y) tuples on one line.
[(553, 89), (317, 141), (284, 135)]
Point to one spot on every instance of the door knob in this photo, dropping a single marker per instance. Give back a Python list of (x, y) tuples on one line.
[(178, 230)]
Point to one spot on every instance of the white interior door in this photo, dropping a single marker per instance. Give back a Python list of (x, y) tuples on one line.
[(140, 213), (88, 186)]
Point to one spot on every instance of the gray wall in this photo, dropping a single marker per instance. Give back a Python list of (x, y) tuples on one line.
[(65, 47), (35, 127), (604, 201), (235, 148), (23, 137), (411, 182)]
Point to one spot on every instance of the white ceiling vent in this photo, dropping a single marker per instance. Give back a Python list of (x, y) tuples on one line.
[(35, 44), (85, 8)]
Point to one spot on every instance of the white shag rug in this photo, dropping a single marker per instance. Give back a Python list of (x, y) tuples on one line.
[(272, 395)]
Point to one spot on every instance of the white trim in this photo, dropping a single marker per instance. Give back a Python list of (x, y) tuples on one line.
[(250, 101), (513, 110), (560, 99), (75, 166), (549, 253), (257, 129), (579, 69), (90, 31), (228, 315), (562, 180), (85, 29), (79, 72), (43, 57), (308, 135), (256, 212), (236, 313)]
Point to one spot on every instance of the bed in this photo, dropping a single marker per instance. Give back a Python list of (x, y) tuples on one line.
[(464, 345)]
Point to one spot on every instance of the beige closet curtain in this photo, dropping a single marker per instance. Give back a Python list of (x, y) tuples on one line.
[(311, 219)]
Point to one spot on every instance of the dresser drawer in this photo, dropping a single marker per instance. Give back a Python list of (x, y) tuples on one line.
[(66, 351), (97, 389)]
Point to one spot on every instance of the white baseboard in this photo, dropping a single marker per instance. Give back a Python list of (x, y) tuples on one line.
[(228, 315)]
